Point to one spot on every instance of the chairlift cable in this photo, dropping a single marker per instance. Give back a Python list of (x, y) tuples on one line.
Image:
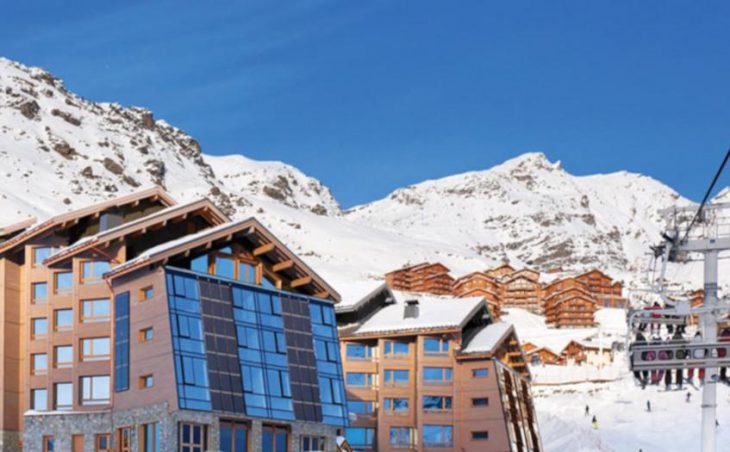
[(707, 194)]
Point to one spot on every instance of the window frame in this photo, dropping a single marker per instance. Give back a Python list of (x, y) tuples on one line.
[(83, 401), (142, 335), (93, 357), (146, 293), (56, 326), (92, 279), (83, 318), (479, 405), (38, 300), (275, 430), (389, 407), (203, 445), (392, 380), (320, 440), (33, 393), (34, 255), (442, 380), (400, 429), (48, 443), (65, 407), (442, 345), (393, 354), (97, 442), (57, 290), (124, 439), (146, 381), (476, 373), (65, 364), (35, 370)]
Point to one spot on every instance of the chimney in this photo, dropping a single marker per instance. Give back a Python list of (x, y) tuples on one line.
[(411, 309)]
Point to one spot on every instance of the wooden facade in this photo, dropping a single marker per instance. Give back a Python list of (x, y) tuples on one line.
[(569, 304), (582, 352), (478, 284), (608, 293), (426, 277), (522, 289)]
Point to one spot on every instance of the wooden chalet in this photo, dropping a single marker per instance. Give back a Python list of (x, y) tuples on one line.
[(608, 293), (569, 304), (522, 289), (426, 277), (479, 284), (543, 355), (585, 352)]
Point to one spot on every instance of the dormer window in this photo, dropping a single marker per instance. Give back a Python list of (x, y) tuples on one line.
[(93, 271)]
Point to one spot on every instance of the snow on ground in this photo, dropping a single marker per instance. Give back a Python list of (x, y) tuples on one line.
[(623, 422)]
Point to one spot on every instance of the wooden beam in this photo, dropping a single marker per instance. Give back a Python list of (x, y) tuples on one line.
[(282, 266), (323, 294), (303, 281), (263, 249)]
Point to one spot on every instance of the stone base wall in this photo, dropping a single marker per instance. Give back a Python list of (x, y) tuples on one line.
[(11, 441), (62, 426)]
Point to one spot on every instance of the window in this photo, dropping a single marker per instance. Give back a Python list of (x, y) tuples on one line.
[(246, 272), (95, 310), (478, 436), (124, 439), (274, 439), (312, 443), (146, 293), (480, 401), (39, 363), (63, 282), (436, 403), (121, 342), (63, 319), (438, 435), (395, 349), (233, 437), (92, 271), (401, 436), (480, 373), (95, 349), (146, 381), (224, 266), (48, 444), (395, 405), (436, 375), (435, 346), (39, 327), (360, 437), (360, 407), (95, 390), (193, 437), (39, 292), (103, 443), (63, 396), (359, 352), (39, 399), (63, 356), (359, 379), (200, 264), (149, 437), (40, 254), (146, 334), (396, 377)]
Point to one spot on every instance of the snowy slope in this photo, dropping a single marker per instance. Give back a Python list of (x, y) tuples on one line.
[(532, 211)]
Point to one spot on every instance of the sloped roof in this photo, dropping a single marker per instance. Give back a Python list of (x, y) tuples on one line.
[(38, 228), (356, 293), (435, 313), (488, 339), (252, 229), (138, 224)]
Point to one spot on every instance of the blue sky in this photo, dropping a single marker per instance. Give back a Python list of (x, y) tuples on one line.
[(369, 96)]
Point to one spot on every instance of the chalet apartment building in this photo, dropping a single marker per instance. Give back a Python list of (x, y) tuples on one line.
[(567, 302), (144, 325), (432, 373)]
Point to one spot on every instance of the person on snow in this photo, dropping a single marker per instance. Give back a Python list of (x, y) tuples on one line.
[(594, 423), (648, 406), (678, 339), (689, 396), (588, 410)]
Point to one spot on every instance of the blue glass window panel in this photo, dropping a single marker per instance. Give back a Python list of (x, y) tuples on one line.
[(357, 351), (435, 345), (268, 283), (438, 435), (121, 342), (200, 264), (315, 312), (64, 281), (480, 373), (328, 315), (360, 436), (360, 406), (224, 267), (396, 376)]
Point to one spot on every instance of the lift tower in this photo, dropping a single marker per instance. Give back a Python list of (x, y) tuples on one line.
[(708, 234)]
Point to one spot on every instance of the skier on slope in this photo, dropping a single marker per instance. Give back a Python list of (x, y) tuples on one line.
[(689, 396), (648, 406), (588, 411), (594, 423)]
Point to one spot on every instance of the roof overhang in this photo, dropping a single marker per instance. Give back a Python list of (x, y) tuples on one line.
[(155, 193), (264, 242), (203, 206)]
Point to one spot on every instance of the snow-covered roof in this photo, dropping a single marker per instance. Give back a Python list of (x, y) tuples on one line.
[(434, 312), (356, 293), (131, 225), (488, 338)]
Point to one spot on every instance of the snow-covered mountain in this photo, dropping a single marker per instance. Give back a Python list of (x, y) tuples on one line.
[(532, 211), (59, 151)]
